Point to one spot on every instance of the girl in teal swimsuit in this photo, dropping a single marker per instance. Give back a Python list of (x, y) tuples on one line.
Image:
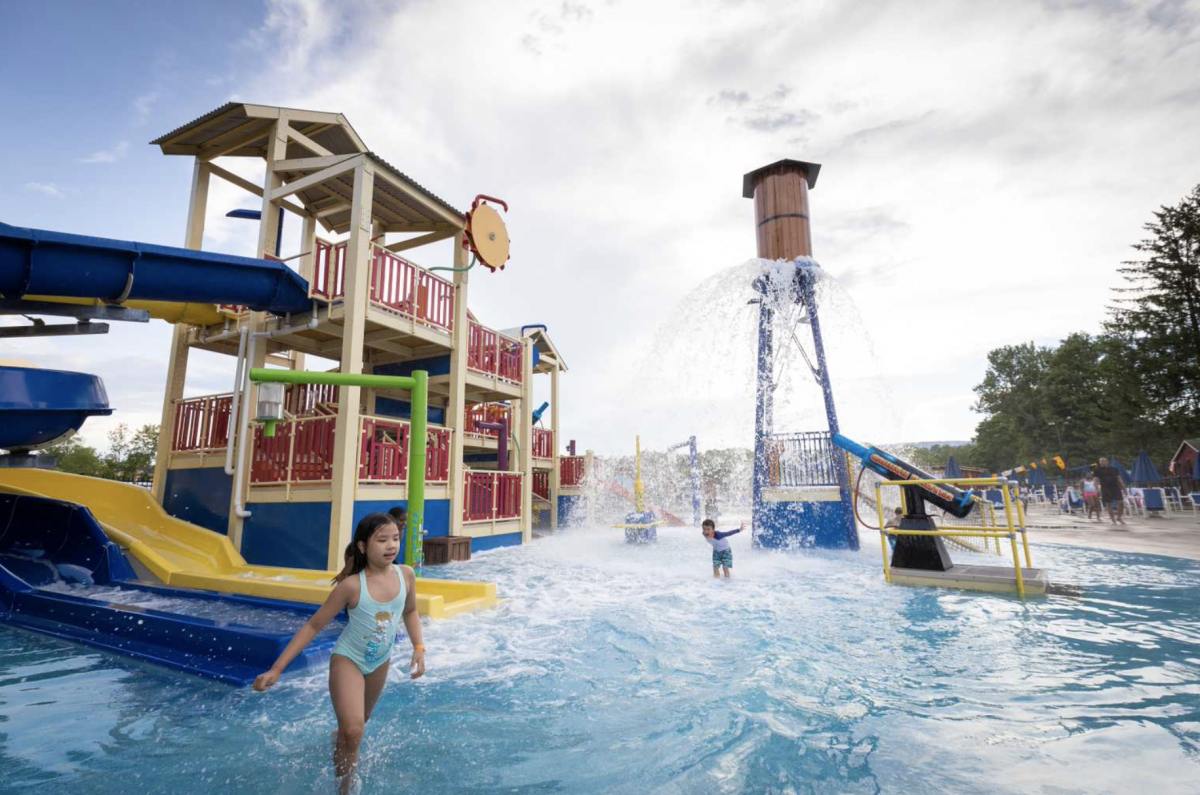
[(376, 594)]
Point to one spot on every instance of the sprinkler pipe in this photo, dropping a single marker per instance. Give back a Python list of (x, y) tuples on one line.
[(501, 428), (418, 386)]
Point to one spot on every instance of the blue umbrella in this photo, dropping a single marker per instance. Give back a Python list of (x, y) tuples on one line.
[(1144, 471), (1124, 473), (953, 470), (1038, 478)]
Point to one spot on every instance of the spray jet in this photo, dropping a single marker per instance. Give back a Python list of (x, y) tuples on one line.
[(948, 498)]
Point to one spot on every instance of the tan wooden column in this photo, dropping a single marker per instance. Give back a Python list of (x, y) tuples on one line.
[(456, 404), (193, 238), (555, 462), (347, 429), (526, 439)]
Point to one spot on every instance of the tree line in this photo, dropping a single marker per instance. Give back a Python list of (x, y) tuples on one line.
[(129, 458), (1134, 386)]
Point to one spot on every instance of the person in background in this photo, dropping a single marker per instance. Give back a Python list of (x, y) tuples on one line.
[(1091, 496), (1112, 491)]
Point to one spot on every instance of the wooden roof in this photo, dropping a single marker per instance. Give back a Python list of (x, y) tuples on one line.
[(243, 130)]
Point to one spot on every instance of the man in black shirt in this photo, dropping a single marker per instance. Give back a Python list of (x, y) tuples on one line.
[(1112, 491)]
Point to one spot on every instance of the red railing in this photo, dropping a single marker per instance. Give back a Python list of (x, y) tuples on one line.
[(329, 271), (541, 484), (404, 288), (303, 400), (543, 443), (301, 451), (384, 454), (201, 423), (396, 284), (572, 470), (492, 353), (491, 495), (486, 412)]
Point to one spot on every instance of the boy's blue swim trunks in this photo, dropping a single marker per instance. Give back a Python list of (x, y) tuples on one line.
[(723, 558)]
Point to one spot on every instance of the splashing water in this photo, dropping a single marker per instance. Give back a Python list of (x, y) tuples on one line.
[(698, 374), (612, 669)]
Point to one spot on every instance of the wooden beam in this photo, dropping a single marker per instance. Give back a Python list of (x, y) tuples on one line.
[(310, 163), (308, 143), (415, 242), (235, 139), (332, 209), (247, 185), (324, 174)]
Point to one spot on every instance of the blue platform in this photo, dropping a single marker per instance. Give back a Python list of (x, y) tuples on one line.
[(49, 548), (38, 407)]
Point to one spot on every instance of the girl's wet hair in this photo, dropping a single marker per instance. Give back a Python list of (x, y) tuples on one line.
[(356, 559)]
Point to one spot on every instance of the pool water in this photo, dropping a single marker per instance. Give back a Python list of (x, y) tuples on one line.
[(612, 669)]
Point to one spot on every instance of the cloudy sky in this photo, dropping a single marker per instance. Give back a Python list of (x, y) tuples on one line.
[(985, 168)]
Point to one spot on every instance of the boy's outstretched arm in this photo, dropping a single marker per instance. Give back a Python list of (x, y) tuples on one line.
[(338, 598), (727, 533)]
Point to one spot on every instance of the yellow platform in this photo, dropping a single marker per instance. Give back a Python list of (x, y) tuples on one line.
[(188, 556)]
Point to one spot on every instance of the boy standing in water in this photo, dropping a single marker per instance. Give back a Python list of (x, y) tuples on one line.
[(722, 553)]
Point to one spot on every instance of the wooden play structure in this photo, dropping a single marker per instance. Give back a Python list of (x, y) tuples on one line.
[(342, 453)]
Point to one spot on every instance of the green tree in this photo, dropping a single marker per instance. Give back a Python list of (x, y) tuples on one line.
[(1159, 311), (76, 458), (130, 457)]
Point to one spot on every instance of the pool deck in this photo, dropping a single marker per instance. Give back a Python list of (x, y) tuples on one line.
[(1177, 536)]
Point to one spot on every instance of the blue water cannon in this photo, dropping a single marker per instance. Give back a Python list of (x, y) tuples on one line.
[(950, 499)]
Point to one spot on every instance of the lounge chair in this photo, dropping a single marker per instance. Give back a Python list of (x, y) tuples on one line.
[(1156, 500), (1174, 498)]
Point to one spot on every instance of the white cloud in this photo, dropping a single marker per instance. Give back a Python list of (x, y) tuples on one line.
[(985, 170), (143, 104), (108, 155), (46, 189)]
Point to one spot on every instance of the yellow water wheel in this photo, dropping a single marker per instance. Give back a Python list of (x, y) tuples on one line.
[(487, 234)]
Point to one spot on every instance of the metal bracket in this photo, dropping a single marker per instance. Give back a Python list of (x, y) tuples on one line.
[(11, 306), (39, 328)]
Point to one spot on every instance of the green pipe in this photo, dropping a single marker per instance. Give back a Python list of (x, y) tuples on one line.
[(337, 379), (418, 438), (418, 445)]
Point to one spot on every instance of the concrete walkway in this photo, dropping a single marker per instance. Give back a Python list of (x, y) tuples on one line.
[(1177, 536)]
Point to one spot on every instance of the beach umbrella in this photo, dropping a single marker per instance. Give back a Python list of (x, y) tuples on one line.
[(1144, 471), (1038, 478), (1121, 470), (953, 470)]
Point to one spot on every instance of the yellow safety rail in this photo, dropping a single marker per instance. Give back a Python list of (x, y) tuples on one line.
[(1014, 522)]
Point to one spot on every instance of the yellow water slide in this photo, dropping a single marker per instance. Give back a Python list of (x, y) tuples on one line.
[(185, 555)]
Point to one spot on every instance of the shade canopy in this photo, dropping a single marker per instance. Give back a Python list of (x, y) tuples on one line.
[(1038, 478), (953, 470), (1144, 471)]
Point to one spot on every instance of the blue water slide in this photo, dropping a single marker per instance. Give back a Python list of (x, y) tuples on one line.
[(39, 262), (38, 407), (61, 576)]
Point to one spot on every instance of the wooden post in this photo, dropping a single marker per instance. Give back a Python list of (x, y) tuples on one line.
[(456, 404), (555, 461), (346, 427), (526, 434), (193, 238), (780, 193)]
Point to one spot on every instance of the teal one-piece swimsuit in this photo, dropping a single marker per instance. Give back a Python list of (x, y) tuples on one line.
[(367, 639)]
